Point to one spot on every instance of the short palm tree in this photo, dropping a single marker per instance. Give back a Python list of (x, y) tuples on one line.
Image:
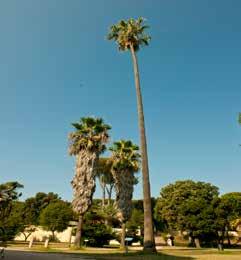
[(126, 159), (130, 36), (103, 173), (87, 142)]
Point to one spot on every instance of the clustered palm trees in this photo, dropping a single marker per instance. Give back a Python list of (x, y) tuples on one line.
[(91, 136), (87, 142)]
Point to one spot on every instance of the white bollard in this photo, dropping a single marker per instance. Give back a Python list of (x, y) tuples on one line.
[(46, 243), (31, 242)]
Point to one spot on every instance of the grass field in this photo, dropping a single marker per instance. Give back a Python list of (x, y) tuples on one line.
[(163, 254)]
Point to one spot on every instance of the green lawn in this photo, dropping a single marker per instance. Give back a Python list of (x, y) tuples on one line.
[(182, 254), (174, 255), (165, 254)]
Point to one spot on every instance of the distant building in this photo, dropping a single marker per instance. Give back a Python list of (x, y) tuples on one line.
[(40, 235)]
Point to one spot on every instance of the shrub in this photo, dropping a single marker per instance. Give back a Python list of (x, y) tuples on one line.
[(98, 234)]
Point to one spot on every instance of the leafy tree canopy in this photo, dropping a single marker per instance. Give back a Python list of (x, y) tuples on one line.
[(95, 229), (9, 192), (34, 205), (231, 205), (56, 216), (189, 206), (9, 221)]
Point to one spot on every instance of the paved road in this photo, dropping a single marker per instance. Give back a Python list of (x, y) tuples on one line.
[(17, 255)]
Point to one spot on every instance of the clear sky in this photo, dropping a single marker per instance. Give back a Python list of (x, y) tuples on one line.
[(56, 66)]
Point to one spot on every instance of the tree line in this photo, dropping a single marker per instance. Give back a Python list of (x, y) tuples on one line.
[(22, 217), (194, 210)]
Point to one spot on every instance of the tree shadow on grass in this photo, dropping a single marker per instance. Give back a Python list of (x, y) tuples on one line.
[(135, 256), (107, 255)]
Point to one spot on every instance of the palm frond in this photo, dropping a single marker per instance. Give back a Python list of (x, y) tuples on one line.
[(129, 32), (91, 134), (125, 155)]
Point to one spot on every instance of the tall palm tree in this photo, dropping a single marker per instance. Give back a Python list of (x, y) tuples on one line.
[(126, 159), (130, 36), (87, 142)]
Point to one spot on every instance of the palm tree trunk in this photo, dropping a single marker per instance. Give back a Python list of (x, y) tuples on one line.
[(53, 236), (103, 195), (84, 186), (149, 241), (197, 242), (123, 235), (109, 192), (77, 241)]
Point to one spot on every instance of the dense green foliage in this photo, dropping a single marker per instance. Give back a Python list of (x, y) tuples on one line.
[(56, 216), (134, 224), (195, 207), (95, 228), (9, 219), (23, 217), (187, 206), (34, 205), (228, 213), (231, 203), (97, 234)]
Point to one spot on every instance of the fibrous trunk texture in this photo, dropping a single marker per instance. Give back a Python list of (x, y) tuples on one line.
[(149, 241), (123, 235), (77, 241), (84, 181), (83, 185), (124, 182)]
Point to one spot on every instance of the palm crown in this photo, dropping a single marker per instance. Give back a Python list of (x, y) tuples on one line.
[(125, 156), (129, 33), (91, 134), (103, 169), (8, 191)]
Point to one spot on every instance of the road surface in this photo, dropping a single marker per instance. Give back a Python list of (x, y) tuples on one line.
[(17, 255)]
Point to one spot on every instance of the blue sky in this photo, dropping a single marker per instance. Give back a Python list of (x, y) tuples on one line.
[(56, 67)]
